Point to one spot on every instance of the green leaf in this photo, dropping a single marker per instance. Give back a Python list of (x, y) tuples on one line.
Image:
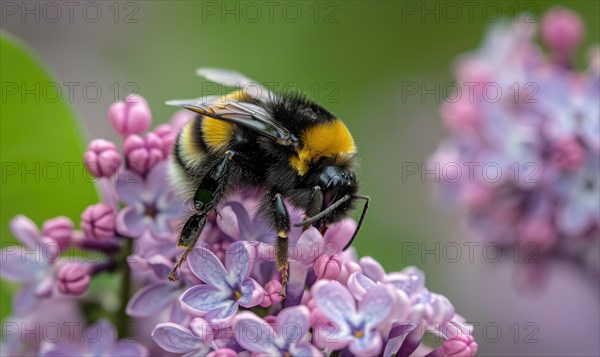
[(41, 148)]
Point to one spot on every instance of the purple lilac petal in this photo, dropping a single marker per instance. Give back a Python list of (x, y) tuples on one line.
[(368, 345), (131, 221), (59, 349), (224, 314), (252, 293), (201, 328), (358, 284), (128, 349), (376, 306), (254, 334), (152, 298), (22, 265), (238, 262), (296, 283), (372, 269), (338, 235), (177, 339), (45, 287), (304, 349), (200, 299), (410, 336), (293, 322), (207, 267), (157, 178), (100, 337), (25, 299), (334, 301), (130, 187), (160, 265), (161, 226), (25, 230), (308, 247), (331, 336), (228, 219)]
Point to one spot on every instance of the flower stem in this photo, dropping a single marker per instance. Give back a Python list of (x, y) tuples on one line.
[(125, 290)]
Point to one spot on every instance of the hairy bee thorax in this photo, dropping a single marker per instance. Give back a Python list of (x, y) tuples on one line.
[(328, 139)]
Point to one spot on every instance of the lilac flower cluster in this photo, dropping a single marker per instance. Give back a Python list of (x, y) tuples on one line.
[(226, 300), (539, 143)]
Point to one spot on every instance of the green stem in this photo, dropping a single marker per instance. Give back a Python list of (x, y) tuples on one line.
[(125, 289)]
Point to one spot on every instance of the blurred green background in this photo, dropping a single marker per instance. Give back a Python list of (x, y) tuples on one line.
[(357, 58)]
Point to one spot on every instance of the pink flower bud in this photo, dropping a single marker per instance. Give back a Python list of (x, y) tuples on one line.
[(73, 279), (272, 290), (131, 116), (98, 222), (143, 153), (102, 159), (223, 352), (328, 267), (462, 345), (166, 133), (562, 30), (58, 229), (568, 154)]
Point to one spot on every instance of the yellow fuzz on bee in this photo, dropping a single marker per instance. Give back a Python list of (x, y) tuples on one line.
[(217, 133), (190, 152), (322, 140)]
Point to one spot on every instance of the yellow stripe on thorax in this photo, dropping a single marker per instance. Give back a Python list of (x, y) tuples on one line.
[(322, 140), (217, 133)]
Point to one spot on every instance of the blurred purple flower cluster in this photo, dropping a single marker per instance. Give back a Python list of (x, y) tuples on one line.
[(523, 156), (226, 300)]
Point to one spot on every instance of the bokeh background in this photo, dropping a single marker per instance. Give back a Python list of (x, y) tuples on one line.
[(381, 66)]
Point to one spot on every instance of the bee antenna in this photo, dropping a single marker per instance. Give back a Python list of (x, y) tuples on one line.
[(324, 212), (361, 219)]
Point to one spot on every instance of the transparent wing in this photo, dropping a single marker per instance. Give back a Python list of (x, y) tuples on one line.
[(247, 115), (230, 78)]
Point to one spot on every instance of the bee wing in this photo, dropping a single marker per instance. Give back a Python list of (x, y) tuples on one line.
[(247, 115), (231, 78)]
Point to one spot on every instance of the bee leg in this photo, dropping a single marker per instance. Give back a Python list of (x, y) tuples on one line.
[(282, 224), (314, 204), (188, 238), (207, 196)]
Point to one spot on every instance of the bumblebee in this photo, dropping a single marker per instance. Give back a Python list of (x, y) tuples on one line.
[(284, 143)]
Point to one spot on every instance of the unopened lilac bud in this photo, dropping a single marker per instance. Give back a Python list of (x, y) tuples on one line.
[(562, 30), (166, 133), (58, 229), (102, 158), (461, 345), (131, 116), (143, 153), (98, 222), (73, 279), (272, 293), (328, 267)]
